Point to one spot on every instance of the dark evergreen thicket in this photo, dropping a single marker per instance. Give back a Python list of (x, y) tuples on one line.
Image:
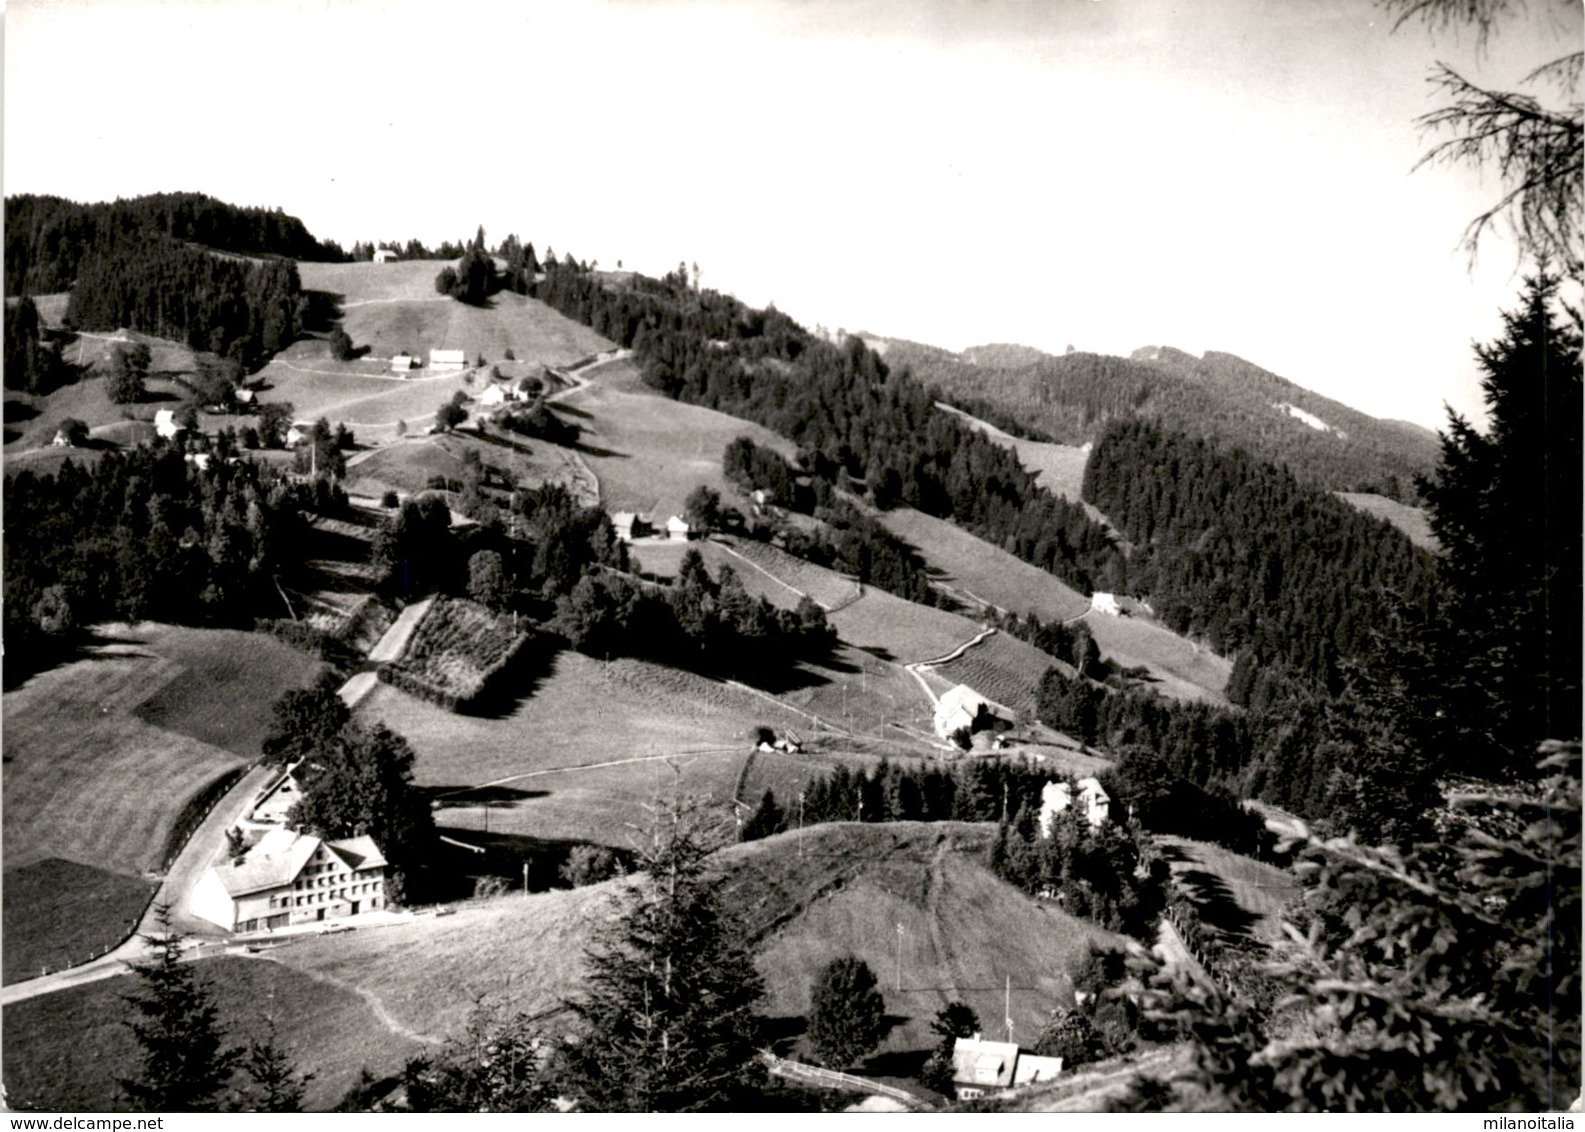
[(236, 308), (48, 238), (1239, 553), (32, 363), (1506, 505), (144, 534), (1100, 874)]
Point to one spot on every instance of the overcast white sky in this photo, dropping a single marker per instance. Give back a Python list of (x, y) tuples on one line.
[(1208, 174)]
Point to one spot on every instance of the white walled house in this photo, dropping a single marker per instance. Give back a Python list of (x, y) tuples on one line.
[(678, 530), (981, 1067), (165, 424), (292, 878), (402, 364), (385, 255), (1056, 797), (448, 359), (1106, 603), (962, 708)]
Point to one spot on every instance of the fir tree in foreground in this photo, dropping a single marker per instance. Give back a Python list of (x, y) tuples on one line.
[(1412, 982), (847, 1015), (184, 1061), (668, 1021)]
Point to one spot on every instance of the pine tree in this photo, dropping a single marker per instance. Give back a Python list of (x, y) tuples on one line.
[(847, 1015), (667, 1023), (185, 1063), (1505, 506), (274, 1083)]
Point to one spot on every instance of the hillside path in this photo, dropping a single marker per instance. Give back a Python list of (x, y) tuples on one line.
[(376, 1006)]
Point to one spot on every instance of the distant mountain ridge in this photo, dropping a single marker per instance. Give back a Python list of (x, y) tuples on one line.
[(1219, 396)]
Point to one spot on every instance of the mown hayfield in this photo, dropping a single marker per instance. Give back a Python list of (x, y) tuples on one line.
[(982, 572), (648, 451), (1179, 668), (61, 913), (355, 393), (406, 466), (203, 702), (391, 307), (899, 630), (867, 696), (64, 1051), (1003, 669), (792, 574), (579, 713), (1412, 521), (103, 754)]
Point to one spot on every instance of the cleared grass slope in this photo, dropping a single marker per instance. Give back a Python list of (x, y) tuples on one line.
[(974, 569), (1412, 521), (1178, 668), (648, 451), (103, 755)]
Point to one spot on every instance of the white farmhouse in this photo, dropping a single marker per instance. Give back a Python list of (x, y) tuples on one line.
[(292, 878), (962, 708), (448, 359), (678, 530), (402, 364), (981, 1067), (165, 424), (385, 255), (1058, 796)]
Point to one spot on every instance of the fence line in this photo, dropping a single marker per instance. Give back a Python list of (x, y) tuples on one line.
[(782, 1067)]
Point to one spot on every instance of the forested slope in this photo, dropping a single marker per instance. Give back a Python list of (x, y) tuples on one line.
[(1071, 399)]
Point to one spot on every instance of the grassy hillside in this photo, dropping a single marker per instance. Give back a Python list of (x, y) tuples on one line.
[(1412, 521), (649, 451), (977, 571), (966, 933), (64, 1051), (103, 754), (585, 749), (1178, 667)]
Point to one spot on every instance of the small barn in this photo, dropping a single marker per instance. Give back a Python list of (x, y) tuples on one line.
[(165, 424), (61, 440), (448, 359), (402, 364), (246, 397), (496, 394), (678, 529), (385, 255)]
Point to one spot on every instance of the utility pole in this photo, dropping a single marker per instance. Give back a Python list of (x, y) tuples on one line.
[(800, 823), (898, 985), (1007, 1007), (525, 878)]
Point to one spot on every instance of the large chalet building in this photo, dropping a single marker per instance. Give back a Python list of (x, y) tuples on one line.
[(291, 878)]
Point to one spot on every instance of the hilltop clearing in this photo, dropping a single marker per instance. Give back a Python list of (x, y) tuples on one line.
[(181, 708), (393, 307)]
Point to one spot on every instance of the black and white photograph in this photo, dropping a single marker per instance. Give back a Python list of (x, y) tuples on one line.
[(791, 556)]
